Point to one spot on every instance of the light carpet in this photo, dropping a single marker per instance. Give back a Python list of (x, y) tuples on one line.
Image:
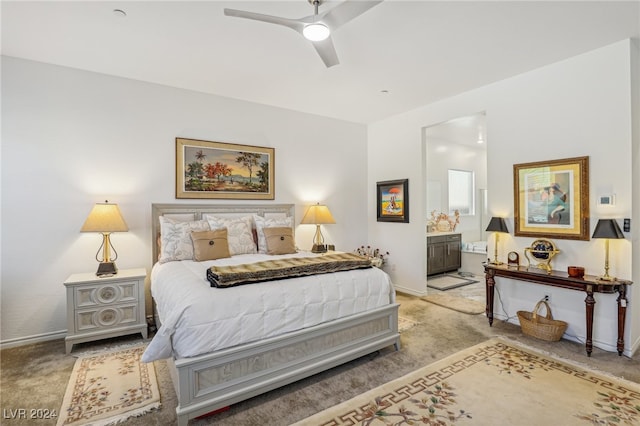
[(460, 304), (107, 388), (494, 383), (405, 324), (448, 282)]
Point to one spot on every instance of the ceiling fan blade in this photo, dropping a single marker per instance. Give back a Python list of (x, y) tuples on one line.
[(327, 52), (290, 23), (345, 12)]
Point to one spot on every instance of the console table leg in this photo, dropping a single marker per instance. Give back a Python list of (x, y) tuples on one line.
[(589, 302), (490, 283), (622, 310)]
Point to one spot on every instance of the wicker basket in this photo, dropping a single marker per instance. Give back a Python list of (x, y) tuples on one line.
[(545, 328)]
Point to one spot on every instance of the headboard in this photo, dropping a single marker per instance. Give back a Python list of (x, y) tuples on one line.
[(195, 212)]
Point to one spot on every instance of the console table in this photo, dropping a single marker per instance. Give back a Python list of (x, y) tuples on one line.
[(589, 284)]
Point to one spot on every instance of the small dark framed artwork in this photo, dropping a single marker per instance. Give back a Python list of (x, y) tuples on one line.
[(393, 201)]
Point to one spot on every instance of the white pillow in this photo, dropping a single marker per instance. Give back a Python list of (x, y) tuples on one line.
[(239, 233), (175, 237), (262, 223)]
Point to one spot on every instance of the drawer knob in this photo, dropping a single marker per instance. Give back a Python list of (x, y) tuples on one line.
[(108, 317), (107, 294)]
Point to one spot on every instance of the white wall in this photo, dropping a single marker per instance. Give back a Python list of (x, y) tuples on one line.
[(72, 138), (577, 107), (634, 327), (442, 156)]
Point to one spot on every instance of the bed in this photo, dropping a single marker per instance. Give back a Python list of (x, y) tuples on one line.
[(289, 329)]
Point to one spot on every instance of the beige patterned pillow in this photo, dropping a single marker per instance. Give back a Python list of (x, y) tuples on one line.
[(279, 240), (262, 223), (210, 245), (239, 233), (176, 243)]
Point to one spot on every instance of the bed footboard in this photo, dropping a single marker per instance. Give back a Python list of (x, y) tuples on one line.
[(212, 381)]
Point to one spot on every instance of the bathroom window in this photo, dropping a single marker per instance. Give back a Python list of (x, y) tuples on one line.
[(461, 192)]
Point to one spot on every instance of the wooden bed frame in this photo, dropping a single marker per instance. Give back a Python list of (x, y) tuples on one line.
[(212, 381)]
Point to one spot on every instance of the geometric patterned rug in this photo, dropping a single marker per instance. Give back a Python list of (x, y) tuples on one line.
[(107, 388), (494, 383)]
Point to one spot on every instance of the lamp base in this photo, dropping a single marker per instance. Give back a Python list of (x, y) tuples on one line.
[(606, 278), (107, 269), (496, 262), (319, 248)]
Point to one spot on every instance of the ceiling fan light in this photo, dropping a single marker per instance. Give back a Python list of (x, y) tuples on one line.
[(316, 32)]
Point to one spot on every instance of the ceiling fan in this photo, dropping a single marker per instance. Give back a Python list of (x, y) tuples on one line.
[(318, 27)]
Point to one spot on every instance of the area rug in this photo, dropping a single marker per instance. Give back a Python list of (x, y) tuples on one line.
[(460, 304), (494, 383), (405, 324), (448, 282), (108, 388)]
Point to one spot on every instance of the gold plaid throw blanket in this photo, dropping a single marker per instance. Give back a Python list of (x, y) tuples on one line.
[(228, 276)]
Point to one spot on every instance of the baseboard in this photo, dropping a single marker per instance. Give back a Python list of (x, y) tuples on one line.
[(409, 291), (21, 341), (609, 347), (633, 349)]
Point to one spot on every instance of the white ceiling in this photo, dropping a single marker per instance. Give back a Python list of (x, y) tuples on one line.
[(418, 51)]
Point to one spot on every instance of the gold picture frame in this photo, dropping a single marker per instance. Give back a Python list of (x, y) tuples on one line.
[(551, 199), (207, 169)]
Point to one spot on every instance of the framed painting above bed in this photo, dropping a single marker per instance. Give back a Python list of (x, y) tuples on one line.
[(207, 169)]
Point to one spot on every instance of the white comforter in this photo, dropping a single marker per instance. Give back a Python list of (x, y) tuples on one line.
[(197, 318)]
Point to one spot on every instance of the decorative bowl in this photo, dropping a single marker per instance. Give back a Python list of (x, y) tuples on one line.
[(575, 271)]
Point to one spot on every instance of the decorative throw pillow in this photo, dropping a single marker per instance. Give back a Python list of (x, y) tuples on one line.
[(175, 238), (239, 233), (262, 223), (279, 240), (210, 245)]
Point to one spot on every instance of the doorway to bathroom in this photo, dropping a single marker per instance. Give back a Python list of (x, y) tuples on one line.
[(456, 205)]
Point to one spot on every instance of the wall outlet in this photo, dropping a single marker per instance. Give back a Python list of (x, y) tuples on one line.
[(547, 297)]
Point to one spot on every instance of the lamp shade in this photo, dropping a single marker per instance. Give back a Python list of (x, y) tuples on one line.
[(105, 217), (318, 214), (497, 224), (607, 228)]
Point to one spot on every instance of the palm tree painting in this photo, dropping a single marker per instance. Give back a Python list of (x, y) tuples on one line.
[(393, 201), (223, 170)]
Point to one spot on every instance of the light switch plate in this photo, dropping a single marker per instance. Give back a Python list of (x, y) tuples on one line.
[(607, 200)]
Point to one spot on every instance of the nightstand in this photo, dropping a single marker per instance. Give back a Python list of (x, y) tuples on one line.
[(98, 308)]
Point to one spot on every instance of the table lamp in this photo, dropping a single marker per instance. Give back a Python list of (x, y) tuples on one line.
[(607, 229), (318, 215), (497, 225), (105, 218)]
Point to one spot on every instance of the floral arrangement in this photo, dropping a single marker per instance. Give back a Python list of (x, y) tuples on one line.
[(377, 257)]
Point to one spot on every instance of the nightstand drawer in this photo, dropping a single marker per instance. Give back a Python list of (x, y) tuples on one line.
[(106, 317), (105, 294)]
